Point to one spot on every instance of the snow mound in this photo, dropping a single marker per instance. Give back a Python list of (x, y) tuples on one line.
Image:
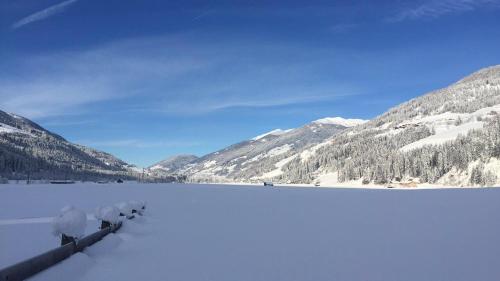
[(275, 132), (71, 222), (125, 208), (137, 205), (340, 121), (110, 214)]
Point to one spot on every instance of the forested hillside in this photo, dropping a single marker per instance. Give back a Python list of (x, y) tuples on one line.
[(450, 137), (29, 151)]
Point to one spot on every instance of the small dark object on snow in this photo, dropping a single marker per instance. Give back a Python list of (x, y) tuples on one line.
[(268, 183), (128, 217), (67, 239), (105, 224), (119, 181), (62, 182)]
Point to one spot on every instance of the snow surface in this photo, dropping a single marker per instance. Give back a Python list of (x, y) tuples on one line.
[(125, 208), (308, 153), (159, 167), (444, 135), (275, 132), (15, 115), (340, 121), (71, 222), (215, 232), (110, 214), (278, 171), (445, 126), (6, 129)]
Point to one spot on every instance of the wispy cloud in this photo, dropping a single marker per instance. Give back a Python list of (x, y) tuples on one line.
[(436, 8), (173, 75), (66, 83), (205, 106), (43, 14)]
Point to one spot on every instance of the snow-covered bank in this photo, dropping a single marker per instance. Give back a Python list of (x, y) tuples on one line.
[(220, 232)]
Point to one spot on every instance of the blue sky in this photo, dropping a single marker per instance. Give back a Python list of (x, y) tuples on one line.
[(146, 79)]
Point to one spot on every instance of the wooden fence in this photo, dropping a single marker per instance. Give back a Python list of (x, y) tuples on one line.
[(32, 266)]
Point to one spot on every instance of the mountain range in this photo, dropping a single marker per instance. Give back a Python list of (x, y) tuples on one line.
[(448, 137), (259, 158)]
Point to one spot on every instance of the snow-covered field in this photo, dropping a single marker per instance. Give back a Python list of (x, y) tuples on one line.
[(223, 232)]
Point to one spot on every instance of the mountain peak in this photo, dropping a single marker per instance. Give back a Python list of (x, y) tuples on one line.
[(340, 121)]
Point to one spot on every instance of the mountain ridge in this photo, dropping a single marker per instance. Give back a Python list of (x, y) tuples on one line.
[(29, 151), (258, 158)]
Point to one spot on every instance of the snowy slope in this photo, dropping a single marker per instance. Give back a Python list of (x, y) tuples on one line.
[(340, 121), (435, 138), (173, 163), (27, 148), (227, 233), (275, 132)]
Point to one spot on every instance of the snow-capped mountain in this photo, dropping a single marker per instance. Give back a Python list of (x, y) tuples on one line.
[(173, 163), (448, 137), (263, 156), (27, 149), (340, 121)]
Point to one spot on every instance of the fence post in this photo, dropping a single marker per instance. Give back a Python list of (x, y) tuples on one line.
[(67, 239), (105, 224)]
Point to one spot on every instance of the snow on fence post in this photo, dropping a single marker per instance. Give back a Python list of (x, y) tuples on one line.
[(126, 210), (138, 207), (108, 216), (70, 225)]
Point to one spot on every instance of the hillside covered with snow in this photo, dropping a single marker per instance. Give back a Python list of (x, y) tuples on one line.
[(29, 151), (448, 137)]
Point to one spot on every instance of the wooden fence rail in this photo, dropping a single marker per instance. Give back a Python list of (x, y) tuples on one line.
[(32, 266)]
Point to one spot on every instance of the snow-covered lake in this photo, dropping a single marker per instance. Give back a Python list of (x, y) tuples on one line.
[(223, 232)]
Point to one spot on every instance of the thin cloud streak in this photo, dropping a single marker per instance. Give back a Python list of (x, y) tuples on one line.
[(175, 80), (207, 107), (437, 8), (43, 14)]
